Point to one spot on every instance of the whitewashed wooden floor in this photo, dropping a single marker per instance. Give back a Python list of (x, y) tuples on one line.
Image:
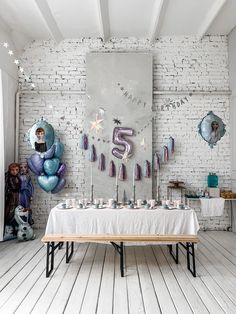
[(91, 282)]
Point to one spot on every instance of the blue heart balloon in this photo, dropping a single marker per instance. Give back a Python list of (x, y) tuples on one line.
[(60, 185), (49, 153), (59, 149), (47, 183), (51, 166)]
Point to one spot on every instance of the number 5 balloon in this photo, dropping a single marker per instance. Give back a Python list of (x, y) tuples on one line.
[(119, 134)]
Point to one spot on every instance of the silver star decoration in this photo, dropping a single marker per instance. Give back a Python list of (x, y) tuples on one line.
[(96, 125), (21, 69), (33, 85), (10, 52), (5, 45), (126, 157), (16, 61)]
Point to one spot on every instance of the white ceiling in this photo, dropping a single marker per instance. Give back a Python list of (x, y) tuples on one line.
[(26, 20)]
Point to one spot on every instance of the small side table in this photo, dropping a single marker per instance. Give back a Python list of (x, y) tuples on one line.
[(180, 188)]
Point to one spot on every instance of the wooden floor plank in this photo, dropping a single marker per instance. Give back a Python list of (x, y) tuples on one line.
[(60, 299), (176, 292), (105, 300), (76, 297), (90, 300), (150, 301), (164, 298), (133, 284)]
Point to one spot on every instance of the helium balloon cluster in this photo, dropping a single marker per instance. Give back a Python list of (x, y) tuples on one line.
[(45, 163)]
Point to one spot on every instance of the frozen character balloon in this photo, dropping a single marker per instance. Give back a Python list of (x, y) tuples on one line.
[(12, 189), (40, 145), (215, 132), (26, 190)]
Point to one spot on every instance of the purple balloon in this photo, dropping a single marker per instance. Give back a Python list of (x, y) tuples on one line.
[(31, 167), (37, 162), (119, 134), (49, 153), (61, 171), (60, 185)]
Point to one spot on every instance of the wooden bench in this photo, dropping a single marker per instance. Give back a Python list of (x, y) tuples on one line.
[(187, 241)]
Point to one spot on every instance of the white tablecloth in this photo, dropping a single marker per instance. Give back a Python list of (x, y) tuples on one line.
[(121, 221)]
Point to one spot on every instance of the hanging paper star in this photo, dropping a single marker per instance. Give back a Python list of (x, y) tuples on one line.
[(21, 69), (126, 157), (27, 78), (16, 61), (96, 125), (5, 45), (116, 121), (143, 144), (10, 52), (33, 85)]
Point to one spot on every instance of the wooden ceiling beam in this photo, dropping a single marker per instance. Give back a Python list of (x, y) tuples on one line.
[(49, 20), (210, 17), (103, 18), (155, 22)]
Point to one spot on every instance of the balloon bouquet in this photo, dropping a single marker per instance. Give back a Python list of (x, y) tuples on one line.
[(45, 162)]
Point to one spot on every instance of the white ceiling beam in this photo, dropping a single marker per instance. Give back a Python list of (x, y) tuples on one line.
[(210, 17), (49, 20), (103, 19), (155, 22)]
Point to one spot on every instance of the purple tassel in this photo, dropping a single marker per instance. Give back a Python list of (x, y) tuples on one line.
[(171, 145), (147, 169), (137, 172), (122, 172), (156, 163), (165, 154), (101, 163), (112, 169), (92, 154), (84, 142)]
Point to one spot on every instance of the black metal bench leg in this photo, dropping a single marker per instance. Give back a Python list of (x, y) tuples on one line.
[(176, 255), (50, 258), (69, 255), (188, 257), (192, 253), (121, 259)]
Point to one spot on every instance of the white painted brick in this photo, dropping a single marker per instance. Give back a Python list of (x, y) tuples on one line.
[(181, 63)]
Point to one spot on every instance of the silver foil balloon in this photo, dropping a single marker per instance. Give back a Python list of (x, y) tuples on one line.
[(119, 134)]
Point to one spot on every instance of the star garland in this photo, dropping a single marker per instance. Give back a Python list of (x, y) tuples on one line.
[(27, 78)]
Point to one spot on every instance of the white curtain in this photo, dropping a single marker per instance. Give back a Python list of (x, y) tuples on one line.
[(2, 157)]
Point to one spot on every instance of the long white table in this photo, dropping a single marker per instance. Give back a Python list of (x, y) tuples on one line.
[(122, 221), (112, 225)]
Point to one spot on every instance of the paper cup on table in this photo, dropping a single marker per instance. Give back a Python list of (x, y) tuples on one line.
[(110, 202), (152, 203), (139, 203)]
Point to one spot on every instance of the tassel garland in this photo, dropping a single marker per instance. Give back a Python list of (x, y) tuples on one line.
[(156, 163), (171, 145), (84, 142), (112, 169), (122, 172), (165, 154), (92, 154), (147, 169), (102, 163), (137, 172)]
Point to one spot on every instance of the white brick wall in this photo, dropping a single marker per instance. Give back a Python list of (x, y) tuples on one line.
[(178, 64)]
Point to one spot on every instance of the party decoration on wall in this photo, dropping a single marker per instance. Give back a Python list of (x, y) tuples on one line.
[(165, 154), (112, 169), (147, 169), (96, 124), (117, 121), (156, 163), (171, 146), (119, 134), (84, 142), (24, 230), (143, 144), (174, 104), (45, 163), (211, 128), (102, 163), (122, 172), (137, 172), (130, 97), (17, 62), (18, 191), (127, 117), (92, 154)]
